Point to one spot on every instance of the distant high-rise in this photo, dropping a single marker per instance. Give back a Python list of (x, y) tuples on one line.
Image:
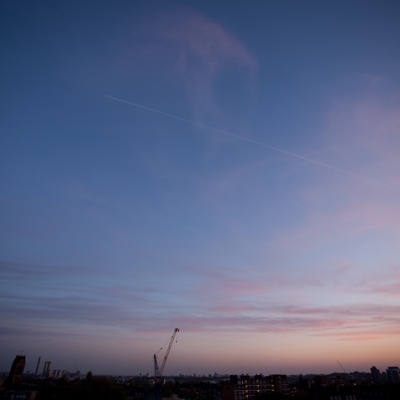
[(46, 369), (37, 365), (17, 369), (393, 374), (376, 375)]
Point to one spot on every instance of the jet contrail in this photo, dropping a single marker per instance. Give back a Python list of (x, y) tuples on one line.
[(243, 138)]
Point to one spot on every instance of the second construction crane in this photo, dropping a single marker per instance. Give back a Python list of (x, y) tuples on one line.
[(159, 370)]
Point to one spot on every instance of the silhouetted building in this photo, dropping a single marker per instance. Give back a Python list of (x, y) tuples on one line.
[(57, 374), (393, 374), (46, 369), (17, 369), (376, 375), (247, 387), (281, 385), (37, 365)]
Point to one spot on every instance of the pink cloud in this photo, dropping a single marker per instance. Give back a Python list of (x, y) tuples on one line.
[(333, 324), (355, 218), (240, 305), (223, 303), (208, 41), (383, 281), (363, 136), (196, 50), (365, 131)]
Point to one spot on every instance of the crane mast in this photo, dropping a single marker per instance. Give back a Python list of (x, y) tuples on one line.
[(157, 370)]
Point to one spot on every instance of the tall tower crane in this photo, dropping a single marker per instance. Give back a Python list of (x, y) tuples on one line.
[(157, 370)]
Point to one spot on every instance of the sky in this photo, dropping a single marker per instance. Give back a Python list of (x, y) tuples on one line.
[(230, 169)]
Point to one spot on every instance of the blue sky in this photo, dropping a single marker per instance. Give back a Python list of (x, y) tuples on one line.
[(230, 170)]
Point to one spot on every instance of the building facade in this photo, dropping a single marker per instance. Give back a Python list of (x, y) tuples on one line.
[(247, 387), (393, 375)]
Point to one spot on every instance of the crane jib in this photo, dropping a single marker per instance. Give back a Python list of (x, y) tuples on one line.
[(157, 370)]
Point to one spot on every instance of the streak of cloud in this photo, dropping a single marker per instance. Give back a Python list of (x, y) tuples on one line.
[(124, 308)]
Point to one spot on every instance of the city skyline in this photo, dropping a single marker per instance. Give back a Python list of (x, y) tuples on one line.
[(46, 370), (232, 171)]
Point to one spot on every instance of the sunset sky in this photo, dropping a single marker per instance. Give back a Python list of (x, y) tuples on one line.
[(231, 169)]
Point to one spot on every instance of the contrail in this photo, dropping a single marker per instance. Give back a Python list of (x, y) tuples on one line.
[(249, 140)]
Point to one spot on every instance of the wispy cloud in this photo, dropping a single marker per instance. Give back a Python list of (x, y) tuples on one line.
[(196, 50), (363, 130), (221, 302), (362, 135)]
